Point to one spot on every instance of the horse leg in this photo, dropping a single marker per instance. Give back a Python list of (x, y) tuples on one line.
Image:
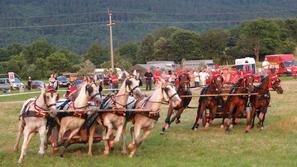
[(223, 117), (177, 115), (213, 112), (132, 146), (19, 134), (250, 123), (119, 131), (230, 112), (253, 117), (239, 109), (91, 139), (167, 120), (262, 118), (106, 144), (123, 136), (66, 144), (109, 127), (200, 110), (146, 133), (42, 134), (27, 137)]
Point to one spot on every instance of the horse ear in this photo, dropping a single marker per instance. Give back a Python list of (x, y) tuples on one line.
[(43, 87)]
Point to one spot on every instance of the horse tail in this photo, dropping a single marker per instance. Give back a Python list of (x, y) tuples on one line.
[(19, 133)]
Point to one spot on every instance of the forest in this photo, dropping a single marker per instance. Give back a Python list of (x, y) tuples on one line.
[(76, 24), (250, 38)]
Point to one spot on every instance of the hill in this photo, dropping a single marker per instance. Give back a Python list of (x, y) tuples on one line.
[(75, 24)]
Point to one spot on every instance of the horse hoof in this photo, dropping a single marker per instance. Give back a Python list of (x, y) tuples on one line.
[(55, 150), (231, 126), (62, 155), (262, 128), (105, 153), (131, 147), (111, 145), (177, 122), (222, 126), (41, 153), (15, 149), (162, 132), (124, 152), (206, 125), (20, 161)]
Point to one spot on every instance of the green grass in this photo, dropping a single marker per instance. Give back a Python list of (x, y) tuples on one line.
[(276, 145)]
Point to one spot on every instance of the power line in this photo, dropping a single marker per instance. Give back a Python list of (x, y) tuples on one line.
[(135, 22), (150, 13)]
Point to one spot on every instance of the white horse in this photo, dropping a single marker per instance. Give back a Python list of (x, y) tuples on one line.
[(88, 91), (116, 120), (146, 121), (33, 119)]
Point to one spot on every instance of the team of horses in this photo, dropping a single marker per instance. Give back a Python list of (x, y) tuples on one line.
[(83, 124)]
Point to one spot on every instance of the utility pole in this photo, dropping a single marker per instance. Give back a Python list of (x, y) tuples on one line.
[(110, 39)]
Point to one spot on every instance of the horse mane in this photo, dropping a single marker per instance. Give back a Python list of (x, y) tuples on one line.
[(76, 93)]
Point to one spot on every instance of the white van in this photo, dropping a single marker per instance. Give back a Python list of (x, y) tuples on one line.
[(239, 63)]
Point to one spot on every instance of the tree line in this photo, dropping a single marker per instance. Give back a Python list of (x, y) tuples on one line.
[(251, 38)]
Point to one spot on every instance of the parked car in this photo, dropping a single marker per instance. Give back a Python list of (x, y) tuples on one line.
[(17, 84), (37, 84), (4, 84), (63, 81), (78, 82)]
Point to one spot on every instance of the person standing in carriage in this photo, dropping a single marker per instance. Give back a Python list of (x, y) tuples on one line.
[(53, 81)]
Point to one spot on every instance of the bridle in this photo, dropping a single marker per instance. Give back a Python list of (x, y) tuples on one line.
[(128, 83), (41, 109), (165, 89)]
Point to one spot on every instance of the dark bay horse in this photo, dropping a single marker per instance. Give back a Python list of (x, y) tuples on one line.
[(260, 102), (209, 102), (182, 89), (237, 104)]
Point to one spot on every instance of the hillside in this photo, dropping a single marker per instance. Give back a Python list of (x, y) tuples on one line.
[(75, 24)]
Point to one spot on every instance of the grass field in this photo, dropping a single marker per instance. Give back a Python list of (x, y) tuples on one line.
[(276, 145)]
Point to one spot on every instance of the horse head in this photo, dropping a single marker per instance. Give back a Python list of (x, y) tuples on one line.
[(132, 86), (218, 82), (184, 82), (249, 82), (170, 94), (92, 91), (50, 97), (275, 83)]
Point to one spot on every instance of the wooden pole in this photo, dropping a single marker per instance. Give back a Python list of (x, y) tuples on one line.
[(110, 40)]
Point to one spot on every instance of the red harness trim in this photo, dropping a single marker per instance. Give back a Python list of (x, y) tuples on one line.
[(40, 111)]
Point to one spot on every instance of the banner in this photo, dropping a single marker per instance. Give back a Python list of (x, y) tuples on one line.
[(11, 77)]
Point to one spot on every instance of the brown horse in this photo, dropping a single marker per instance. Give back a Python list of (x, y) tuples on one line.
[(210, 102), (260, 102), (182, 89), (237, 104)]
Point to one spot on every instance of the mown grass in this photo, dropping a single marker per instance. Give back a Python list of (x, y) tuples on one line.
[(276, 145)]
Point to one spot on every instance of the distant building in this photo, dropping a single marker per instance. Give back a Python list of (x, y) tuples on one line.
[(163, 65), (194, 64)]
